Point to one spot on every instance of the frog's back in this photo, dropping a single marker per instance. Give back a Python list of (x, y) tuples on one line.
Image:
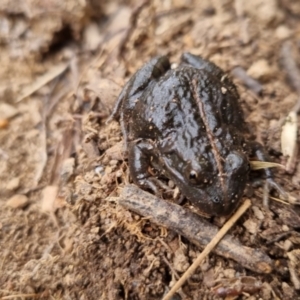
[(190, 101)]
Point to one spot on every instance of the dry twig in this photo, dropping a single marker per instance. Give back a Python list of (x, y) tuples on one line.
[(291, 67), (247, 80), (43, 80)]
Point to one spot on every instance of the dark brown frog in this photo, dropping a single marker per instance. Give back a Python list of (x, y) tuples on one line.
[(187, 124)]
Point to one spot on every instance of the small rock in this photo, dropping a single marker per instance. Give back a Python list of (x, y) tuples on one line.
[(92, 36), (99, 170), (13, 184), (258, 213), (7, 111), (285, 228), (176, 193), (113, 162), (3, 123), (282, 32), (171, 184), (287, 245), (260, 70), (229, 273), (17, 201), (49, 195), (181, 263), (119, 173), (67, 169), (224, 90), (251, 226), (95, 230)]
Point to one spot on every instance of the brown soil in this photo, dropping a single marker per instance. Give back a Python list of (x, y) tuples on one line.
[(63, 234)]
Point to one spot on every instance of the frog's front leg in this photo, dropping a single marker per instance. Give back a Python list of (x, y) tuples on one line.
[(140, 154), (259, 151)]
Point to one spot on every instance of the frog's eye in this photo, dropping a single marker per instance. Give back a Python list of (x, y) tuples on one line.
[(195, 173), (193, 176), (216, 200)]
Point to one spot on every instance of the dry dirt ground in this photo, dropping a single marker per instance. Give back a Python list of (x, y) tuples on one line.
[(63, 233)]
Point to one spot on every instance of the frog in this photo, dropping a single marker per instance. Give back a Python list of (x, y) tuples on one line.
[(187, 125)]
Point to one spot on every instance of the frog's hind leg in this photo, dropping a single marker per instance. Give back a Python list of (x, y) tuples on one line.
[(140, 154), (135, 86), (199, 63), (153, 70)]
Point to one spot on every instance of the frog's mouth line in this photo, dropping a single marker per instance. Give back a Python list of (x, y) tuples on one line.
[(210, 135)]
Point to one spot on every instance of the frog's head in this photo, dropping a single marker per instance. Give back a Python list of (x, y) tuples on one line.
[(215, 188)]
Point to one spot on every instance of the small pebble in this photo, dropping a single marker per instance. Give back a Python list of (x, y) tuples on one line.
[(260, 70), (282, 32), (3, 123), (229, 273), (67, 169), (171, 184), (113, 162), (287, 245), (258, 213), (95, 230), (251, 226), (7, 111), (285, 228), (119, 173), (180, 262), (17, 201), (13, 184), (99, 170)]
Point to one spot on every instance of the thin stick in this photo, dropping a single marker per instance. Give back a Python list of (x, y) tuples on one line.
[(208, 248)]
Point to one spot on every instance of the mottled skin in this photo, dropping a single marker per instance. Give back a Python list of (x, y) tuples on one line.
[(187, 124)]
